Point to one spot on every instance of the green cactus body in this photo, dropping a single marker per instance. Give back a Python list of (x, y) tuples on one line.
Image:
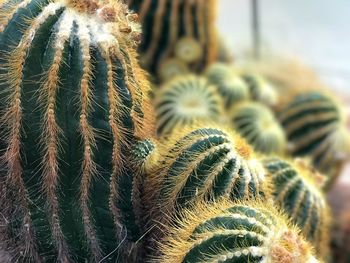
[(297, 192), (204, 163), (72, 101), (315, 127), (230, 85), (180, 29), (260, 89), (257, 124), (186, 100), (234, 232)]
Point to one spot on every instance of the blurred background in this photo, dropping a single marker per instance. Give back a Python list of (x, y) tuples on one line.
[(315, 31)]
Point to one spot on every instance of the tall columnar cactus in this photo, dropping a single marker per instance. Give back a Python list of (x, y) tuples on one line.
[(230, 85), (234, 232), (297, 190), (182, 31), (203, 163), (184, 101), (72, 102), (316, 127), (260, 89), (257, 124)]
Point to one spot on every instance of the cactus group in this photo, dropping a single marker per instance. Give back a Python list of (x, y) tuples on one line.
[(186, 100), (257, 124), (72, 100), (234, 232), (180, 31), (315, 127), (297, 189)]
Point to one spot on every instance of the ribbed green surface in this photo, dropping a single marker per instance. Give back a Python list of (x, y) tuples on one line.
[(258, 125), (260, 89), (38, 60), (300, 197)]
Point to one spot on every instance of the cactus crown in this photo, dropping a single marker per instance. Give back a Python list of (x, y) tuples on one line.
[(72, 99), (228, 232), (297, 189), (258, 125), (186, 100)]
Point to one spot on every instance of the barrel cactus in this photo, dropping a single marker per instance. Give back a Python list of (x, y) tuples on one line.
[(297, 190), (316, 126), (234, 232), (258, 125), (182, 31), (184, 101), (230, 85), (260, 89), (72, 101), (203, 163)]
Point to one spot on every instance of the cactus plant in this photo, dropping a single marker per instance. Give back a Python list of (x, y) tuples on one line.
[(316, 127), (230, 85), (260, 89), (180, 29), (257, 124), (203, 163), (184, 101), (297, 190), (72, 102), (234, 232)]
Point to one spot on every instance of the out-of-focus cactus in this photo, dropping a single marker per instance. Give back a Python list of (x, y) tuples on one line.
[(230, 85), (257, 124), (73, 100), (234, 232), (186, 100), (203, 163), (182, 31), (260, 89), (297, 190), (316, 127)]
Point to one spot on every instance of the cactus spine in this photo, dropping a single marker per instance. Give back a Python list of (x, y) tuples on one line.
[(203, 163), (186, 100), (180, 29), (234, 232), (257, 124), (315, 127), (73, 100), (297, 191), (230, 85)]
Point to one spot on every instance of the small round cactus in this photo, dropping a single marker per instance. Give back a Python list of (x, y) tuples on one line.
[(229, 84), (257, 124), (184, 101), (204, 163), (260, 89), (297, 190), (315, 127), (179, 29), (234, 232)]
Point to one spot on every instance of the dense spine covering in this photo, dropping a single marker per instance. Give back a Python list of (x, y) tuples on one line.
[(297, 190), (234, 232), (180, 29), (260, 89), (230, 85), (186, 100), (315, 127), (203, 163), (257, 124), (72, 100)]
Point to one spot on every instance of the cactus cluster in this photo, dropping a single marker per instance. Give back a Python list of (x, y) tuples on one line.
[(178, 35), (257, 124), (234, 232), (297, 189), (315, 126), (72, 100)]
